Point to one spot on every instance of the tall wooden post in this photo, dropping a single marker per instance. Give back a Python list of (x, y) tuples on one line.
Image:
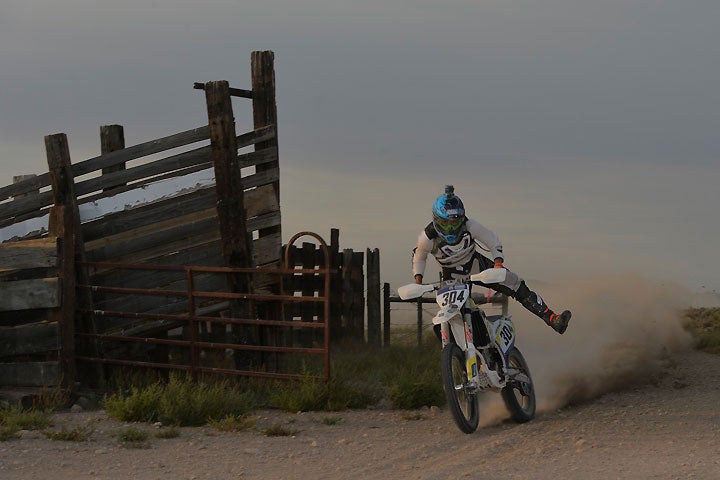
[(373, 297), (265, 113), (112, 138), (386, 314), (63, 190), (60, 226), (264, 106), (230, 205), (336, 285)]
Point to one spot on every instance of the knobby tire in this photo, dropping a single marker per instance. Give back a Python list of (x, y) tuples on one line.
[(519, 398), (463, 407)]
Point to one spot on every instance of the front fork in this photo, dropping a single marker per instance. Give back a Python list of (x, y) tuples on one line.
[(471, 354)]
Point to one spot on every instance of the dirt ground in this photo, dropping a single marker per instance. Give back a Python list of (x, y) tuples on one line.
[(668, 429)]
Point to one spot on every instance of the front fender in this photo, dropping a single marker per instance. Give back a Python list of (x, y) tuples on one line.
[(453, 318), (445, 315)]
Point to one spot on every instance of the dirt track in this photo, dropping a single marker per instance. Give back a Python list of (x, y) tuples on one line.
[(669, 429)]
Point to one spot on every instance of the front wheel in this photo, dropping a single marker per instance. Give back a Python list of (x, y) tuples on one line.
[(519, 393), (463, 405)]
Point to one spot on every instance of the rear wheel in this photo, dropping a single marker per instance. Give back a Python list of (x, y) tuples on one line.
[(519, 393), (463, 405)]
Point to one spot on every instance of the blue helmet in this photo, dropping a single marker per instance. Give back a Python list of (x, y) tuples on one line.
[(448, 215)]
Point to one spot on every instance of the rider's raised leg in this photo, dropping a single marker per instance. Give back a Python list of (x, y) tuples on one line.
[(533, 302)]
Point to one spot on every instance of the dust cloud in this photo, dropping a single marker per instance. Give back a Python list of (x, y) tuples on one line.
[(622, 331), (621, 335)]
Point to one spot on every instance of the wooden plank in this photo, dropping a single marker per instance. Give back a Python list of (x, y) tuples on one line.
[(30, 374), (263, 221), (260, 200), (187, 162), (110, 248), (267, 250), (14, 318), (27, 185), (141, 150), (259, 135), (204, 254), (141, 216), (25, 205), (199, 156), (258, 157), (130, 153), (27, 294), (141, 183), (169, 248), (235, 92), (39, 253), (266, 177), (29, 339)]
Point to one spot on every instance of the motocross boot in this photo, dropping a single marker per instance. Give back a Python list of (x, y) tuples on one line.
[(533, 302), (559, 323)]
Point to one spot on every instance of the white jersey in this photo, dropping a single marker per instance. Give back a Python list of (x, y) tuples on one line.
[(458, 254)]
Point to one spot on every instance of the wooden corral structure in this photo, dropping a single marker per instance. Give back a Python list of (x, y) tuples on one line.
[(168, 254)]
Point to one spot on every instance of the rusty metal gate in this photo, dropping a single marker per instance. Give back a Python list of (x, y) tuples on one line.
[(188, 332)]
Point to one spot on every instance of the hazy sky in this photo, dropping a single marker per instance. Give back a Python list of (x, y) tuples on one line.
[(584, 132)]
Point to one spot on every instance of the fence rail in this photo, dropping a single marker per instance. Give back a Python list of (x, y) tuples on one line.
[(190, 322)]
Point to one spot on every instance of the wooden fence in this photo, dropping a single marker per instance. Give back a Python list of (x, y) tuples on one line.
[(206, 196), (38, 287)]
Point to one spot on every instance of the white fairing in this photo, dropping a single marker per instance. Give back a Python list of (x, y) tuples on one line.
[(503, 332), (413, 290), (491, 275)]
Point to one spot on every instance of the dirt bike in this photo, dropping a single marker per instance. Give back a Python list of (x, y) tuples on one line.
[(479, 352)]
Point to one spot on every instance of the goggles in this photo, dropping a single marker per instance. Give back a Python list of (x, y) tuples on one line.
[(448, 225)]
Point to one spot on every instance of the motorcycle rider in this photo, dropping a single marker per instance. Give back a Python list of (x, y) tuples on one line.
[(452, 238)]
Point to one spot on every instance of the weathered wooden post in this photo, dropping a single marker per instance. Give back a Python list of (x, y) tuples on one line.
[(373, 297), (63, 190), (336, 285), (265, 113), (112, 138), (230, 206), (262, 69), (60, 226), (386, 314), (419, 321)]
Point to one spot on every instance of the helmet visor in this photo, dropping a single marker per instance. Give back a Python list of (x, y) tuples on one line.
[(448, 225)]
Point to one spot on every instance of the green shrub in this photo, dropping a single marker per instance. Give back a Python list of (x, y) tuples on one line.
[(168, 432), (303, 395), (132, 437), (141, 405), (405, 374), (180, 402), (132, 434), (409, 393), (77, 434), (25, 419), (704, 325), (332, 420), (9, 432), (233, 423)]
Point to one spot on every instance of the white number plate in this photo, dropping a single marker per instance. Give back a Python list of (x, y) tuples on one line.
[(452, 296)]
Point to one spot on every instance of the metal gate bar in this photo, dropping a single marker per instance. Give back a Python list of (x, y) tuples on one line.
[(191, 319)]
